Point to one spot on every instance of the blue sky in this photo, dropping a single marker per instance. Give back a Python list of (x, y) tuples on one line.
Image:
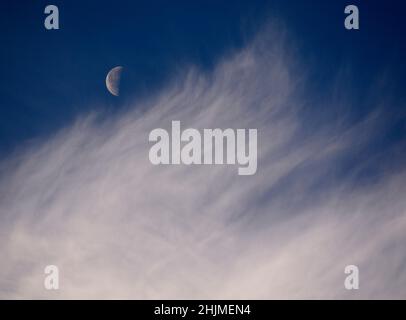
[(79, 191), (52, 76)]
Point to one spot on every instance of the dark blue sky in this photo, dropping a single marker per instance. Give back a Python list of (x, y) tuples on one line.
[(49, 77)]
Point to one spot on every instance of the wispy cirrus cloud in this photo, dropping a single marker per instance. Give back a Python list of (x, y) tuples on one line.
[(89, 201)]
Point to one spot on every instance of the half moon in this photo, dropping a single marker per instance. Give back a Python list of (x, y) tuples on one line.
[(113, 80)]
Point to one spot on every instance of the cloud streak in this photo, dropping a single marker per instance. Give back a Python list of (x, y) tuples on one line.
[(89, 201)]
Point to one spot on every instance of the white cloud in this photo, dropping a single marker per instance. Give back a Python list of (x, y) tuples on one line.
[(89, 201)]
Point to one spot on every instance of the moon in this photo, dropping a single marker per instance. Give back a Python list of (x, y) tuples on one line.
[(113, 80)]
